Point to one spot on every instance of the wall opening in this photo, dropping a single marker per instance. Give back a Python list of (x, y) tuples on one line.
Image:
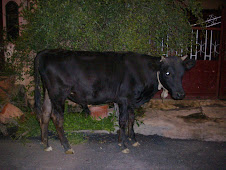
[(12, 20)]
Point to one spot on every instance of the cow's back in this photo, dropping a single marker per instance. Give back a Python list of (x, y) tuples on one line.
[(93, 77), (100, 77)]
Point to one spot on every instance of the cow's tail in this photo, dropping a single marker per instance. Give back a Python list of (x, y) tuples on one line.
[(37, 95)]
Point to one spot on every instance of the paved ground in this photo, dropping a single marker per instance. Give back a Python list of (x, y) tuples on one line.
[(196, 139), (186, 119), (102, 152)]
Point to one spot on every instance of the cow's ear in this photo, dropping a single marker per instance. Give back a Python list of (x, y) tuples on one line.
[(189, 63)]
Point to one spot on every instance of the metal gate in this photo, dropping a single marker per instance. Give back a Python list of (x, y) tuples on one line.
[(207, 79)]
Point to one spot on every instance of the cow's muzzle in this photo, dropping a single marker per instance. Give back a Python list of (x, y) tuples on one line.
[(178, 95)]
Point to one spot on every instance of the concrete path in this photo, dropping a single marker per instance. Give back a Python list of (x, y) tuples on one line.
[(187, 119)]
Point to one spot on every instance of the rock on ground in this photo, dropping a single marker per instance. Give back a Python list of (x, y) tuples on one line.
[(9, 112)]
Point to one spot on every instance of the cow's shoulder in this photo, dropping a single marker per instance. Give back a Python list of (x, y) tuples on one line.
[(143, 62)]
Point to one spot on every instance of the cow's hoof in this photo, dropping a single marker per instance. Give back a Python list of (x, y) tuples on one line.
[(70, 151), (136, 144), (48, 149), (125, 150)]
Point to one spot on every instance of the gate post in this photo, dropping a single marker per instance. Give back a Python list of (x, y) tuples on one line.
[(221, 92)]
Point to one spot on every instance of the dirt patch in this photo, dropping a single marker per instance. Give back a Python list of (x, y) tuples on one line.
[(169, 104), (199, 118)]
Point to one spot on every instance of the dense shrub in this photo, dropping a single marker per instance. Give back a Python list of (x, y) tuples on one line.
[(105, 25)]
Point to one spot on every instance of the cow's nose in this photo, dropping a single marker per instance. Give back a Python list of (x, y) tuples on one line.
[(180, 95)]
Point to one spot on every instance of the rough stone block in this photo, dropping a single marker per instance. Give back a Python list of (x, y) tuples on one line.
[(9, 112)]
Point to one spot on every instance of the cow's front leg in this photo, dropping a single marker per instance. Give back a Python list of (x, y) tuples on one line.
[(131, 133), (123, 119)]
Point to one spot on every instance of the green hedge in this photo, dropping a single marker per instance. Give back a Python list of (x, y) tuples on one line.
[(106, 25)]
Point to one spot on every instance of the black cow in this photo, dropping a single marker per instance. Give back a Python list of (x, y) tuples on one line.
[(128, 79)]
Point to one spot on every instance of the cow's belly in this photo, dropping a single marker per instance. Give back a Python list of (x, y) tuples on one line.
[(89, 95)]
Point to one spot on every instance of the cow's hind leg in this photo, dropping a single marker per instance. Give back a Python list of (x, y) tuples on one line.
[(131, 133), (44, 121), (58, 120), (123, 118)]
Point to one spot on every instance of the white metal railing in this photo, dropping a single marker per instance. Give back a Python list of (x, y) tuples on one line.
[(206, 47), (211, 21)]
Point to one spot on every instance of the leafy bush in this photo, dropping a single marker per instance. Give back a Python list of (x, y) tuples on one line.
[(105, 25)]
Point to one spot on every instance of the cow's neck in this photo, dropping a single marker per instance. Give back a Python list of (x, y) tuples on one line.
[(164, 93)]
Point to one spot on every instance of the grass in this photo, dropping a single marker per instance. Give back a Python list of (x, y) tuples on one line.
[(72, 122)]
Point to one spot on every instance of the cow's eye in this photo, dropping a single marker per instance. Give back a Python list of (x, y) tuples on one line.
[(167, 73)]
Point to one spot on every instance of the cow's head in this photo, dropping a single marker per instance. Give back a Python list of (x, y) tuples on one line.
[(171, 73)]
